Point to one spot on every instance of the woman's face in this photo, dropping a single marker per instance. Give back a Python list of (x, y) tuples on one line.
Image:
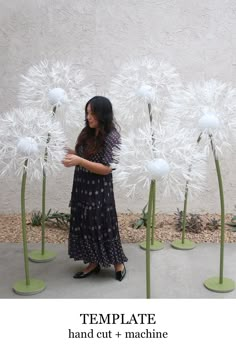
[(92, 120)]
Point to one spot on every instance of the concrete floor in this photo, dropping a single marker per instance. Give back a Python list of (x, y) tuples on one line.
[(175, 274)]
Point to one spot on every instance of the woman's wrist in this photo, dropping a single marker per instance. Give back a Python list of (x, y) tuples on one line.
[(79, 159)]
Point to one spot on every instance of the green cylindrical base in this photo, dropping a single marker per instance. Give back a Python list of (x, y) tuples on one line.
[(35, 287), (187, 245), (156, 246), (38, 257), (213, 284)]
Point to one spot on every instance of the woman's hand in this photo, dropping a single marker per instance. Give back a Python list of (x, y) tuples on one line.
[(94, 167), (69, 150), (71, 160)]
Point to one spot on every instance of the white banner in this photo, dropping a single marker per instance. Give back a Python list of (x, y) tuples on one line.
[(63, 326)]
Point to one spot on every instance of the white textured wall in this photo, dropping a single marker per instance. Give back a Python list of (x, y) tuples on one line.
[(198, 37)]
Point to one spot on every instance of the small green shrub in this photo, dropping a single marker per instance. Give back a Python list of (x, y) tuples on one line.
[(142, 221), (213, 224), (232, 224), (193, 222), (58, 219)]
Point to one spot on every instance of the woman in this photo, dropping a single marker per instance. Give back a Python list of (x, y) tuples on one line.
[(94, 234)]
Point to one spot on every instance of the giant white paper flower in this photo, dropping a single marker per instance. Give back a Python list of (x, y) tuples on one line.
[(58, 86), (24, 135), (139, 84), (154, 152), (209, 108)]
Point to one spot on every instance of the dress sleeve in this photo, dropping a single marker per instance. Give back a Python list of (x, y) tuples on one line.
[(112, 141)]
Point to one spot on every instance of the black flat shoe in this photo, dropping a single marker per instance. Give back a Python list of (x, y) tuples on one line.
[(80, 275), (121, 274)]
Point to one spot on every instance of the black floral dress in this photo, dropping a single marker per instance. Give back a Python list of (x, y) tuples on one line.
[(94, 233)]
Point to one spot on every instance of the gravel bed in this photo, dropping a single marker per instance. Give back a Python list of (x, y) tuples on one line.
[(10, 230)]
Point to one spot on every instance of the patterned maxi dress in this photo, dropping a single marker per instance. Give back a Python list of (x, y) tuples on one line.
[(94, 234)]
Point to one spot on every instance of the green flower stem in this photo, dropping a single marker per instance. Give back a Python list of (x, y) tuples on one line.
[(222, 237), (43, 212), (44, 191), (186, 202), (23, 222), (154, 185), (199, 138), (150, 111), (44, 197), (150, 119), (148, 229), (222, 207), (153, 211), (184, 212)]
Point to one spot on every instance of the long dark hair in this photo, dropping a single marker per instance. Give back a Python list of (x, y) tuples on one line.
[(101, 107)]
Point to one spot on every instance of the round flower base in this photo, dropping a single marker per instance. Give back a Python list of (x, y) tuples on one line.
[(39, 257), (213, 284), (156, 246), (35, 287), (187, 245)]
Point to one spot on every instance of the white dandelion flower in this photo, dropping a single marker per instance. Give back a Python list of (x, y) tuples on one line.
[(57, 87), (57, 97), (24, 135), (209, 108), (152, 153), (27, 146), (209, 122), (158, 168), (142, 89), (31, 144)]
